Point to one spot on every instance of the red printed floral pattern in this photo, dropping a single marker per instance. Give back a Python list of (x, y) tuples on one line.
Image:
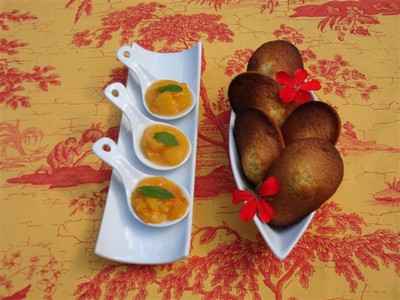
[(265, 5), (290, 34), (13, 80), (350, 143), (84, 7), (14, 16), (10, 47), (19, 147), (238, 61), (66, 162), (391, 194), (353, 17), (335, 238), (39, 271), (122, 21)]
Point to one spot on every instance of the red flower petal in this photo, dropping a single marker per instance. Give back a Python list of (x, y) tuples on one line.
[(239, 196), (269, 187), (287, 94), (302, 97), (248, 211), (300, 75), (283, 78), (265, 211), (312, 85)]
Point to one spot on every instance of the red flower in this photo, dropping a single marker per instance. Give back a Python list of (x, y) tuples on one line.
[(269, 187), (253, 204), (296, 89)]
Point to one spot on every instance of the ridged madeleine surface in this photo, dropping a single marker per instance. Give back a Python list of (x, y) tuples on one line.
[(309, 172), (254, 90), (275, 56), (314, 119), (259, 143)]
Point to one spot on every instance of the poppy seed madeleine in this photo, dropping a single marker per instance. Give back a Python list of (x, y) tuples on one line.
[(259, 143), (309, 172), (314, 119), (275, 56), (254, 90)]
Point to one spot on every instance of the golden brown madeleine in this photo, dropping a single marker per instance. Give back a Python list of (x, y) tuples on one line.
[(259, 143), (275, 56), (309, 172), (254, 90), (314, 119)]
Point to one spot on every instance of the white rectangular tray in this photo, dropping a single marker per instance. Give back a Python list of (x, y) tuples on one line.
[(121, 237)]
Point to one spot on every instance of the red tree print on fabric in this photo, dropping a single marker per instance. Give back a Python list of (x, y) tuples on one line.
[(350, 143), (178, 32), (116, 282), (88, 205), (216, 4), (21, 294), (175, 32), (84, 7), (237, 63), (10, 47), (265, 5), (19, 147), (235, 268), (66, 164), (391, 194), (348, 17), (290, 34), (335, 75), (338, 77), (39, 271), (216, 117), (218, 181), (14, 16), (13, 80), (124, 22)]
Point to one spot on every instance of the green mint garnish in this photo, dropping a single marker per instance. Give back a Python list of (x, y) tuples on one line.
[(166, 138), (174, 88), (155, 191)]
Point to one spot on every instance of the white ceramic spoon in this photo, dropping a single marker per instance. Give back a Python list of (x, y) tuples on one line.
[(107, 150), (145, 79), (118, 95)]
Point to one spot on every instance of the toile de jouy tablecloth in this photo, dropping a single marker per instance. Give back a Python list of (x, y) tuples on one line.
[(55, 59)]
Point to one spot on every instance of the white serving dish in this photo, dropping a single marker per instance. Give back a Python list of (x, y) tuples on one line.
[(280, 241), (122, 238)]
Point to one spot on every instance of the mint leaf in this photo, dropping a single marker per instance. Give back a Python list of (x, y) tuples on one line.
[(155, 191), (174, 88), (166, 138)]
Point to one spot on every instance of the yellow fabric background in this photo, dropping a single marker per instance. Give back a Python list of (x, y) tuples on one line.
[(38, 223)]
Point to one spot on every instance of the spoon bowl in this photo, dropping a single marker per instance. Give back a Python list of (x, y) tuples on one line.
[(145, 79), (130, 177), (118, 95)]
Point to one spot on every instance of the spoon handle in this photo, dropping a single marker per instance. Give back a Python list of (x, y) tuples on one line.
[(107, 150), (126, 55), (118, 95)]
